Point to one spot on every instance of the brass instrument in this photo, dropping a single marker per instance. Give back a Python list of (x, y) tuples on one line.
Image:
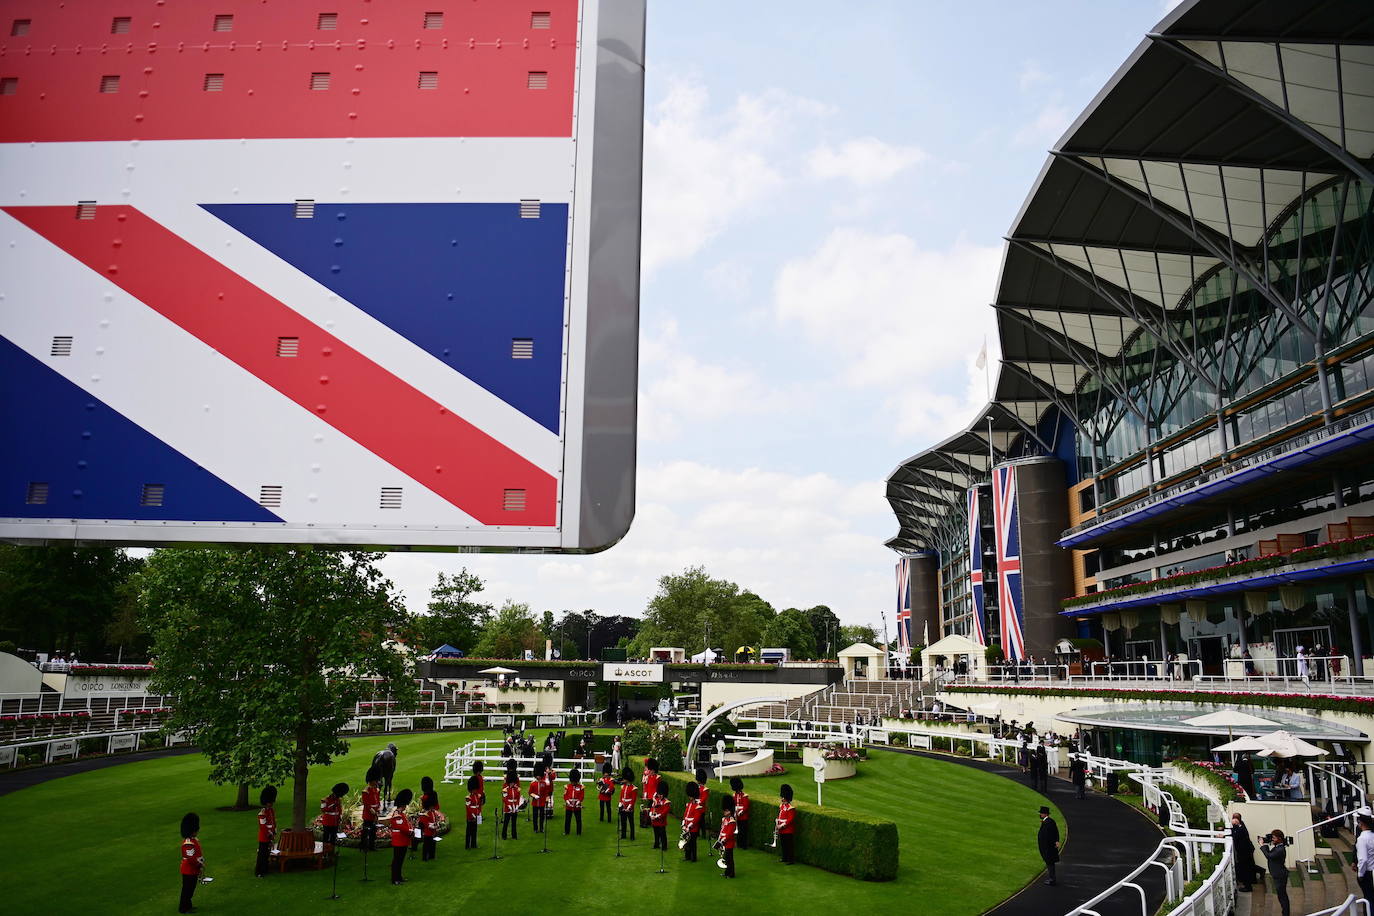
[(686, 835), (719, 845), (774, 844)]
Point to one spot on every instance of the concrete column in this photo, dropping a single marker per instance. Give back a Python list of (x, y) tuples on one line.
[(1356, 617)]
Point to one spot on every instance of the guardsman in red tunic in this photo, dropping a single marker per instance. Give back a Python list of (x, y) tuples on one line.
[(728, 826), (549, 776), (650, 780), (510, 804), (628, 794), (691, 821), (477, 769), (705, 801), (605, 791), (267, 829), (426, 791), (372, 809), (400, 828), (473, 809), (331, 811), (539, 798), (573, 794), (741, 811), (427, 825), (658, 818), (787, 826), (192, 860)]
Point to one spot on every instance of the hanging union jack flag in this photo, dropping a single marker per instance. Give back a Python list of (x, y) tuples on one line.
[(313, 277), (975, 565), (1008, 537), (904, 604)]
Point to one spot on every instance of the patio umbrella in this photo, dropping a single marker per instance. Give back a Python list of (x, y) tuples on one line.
[(498, 670), (1284, 744), (1230, 719), (989, 710), (1246, 743)]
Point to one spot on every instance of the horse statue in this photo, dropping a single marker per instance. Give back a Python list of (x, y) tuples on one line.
[(384, 762)]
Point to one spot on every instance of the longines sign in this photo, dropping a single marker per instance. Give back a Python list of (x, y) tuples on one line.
[(119, 685), (624, 671)]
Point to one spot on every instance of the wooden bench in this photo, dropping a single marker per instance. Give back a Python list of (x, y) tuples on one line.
[(300, 847)]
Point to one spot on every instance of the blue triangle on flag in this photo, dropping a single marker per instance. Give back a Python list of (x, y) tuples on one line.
[(93, 462), (461, 281)]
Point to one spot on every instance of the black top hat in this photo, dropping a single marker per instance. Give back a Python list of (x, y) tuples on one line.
[(190, 824), (340, 789), (268, 796), (1044, 809), (403, 797)]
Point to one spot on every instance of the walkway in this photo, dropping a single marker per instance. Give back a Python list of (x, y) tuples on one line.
[(1104, 840), (14, 780)]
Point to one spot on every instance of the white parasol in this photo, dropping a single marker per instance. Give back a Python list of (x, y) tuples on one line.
[(1246, 743), (1284, 744), (498, 670)]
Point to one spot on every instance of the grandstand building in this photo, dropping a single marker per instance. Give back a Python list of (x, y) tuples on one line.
[(1178, 454)]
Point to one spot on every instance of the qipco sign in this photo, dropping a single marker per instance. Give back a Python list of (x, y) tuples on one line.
[(106, 685)]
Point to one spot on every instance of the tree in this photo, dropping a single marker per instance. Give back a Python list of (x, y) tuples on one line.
[(743, 624), (547, 627), (791, 630), (509, 633), (825, 630), (677, 614), (62, 598), (851, 634), (453, 617), (267, 651)]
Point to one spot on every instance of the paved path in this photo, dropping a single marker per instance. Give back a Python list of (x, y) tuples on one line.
[(14, 780), (1104, 840)]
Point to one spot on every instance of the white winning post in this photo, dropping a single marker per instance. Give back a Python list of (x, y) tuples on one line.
[(819, 769), (720, 760)]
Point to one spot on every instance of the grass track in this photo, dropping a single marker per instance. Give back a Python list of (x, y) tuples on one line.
[(968, 842)]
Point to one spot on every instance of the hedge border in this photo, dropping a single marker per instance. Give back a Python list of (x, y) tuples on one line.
[(843, 842)]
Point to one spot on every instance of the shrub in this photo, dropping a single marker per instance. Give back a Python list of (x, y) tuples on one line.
[(666, 746), (828, 838), (637, 736)]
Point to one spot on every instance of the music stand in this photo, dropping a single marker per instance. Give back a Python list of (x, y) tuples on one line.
[(334, 882), (363, 843), (496, 835), (545, 831), (618, 835), (661, 851)]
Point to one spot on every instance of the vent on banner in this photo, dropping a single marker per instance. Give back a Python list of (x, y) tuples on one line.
[(522, 348), (529, 209), (9, 85), (214, 82), (327, 22), (391, 498), (224, 22), (513, 501), (37, 494), (20, 27), (429, 79), (288, 346), (269, 497), (319, 81), (85, 209), (434, 20), (61, 346), (537, 79), (305, 209), (152, 494), (120, 25), (109, 84), (541, 20)]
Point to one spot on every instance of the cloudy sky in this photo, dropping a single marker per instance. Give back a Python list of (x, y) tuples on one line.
[(826, 187)]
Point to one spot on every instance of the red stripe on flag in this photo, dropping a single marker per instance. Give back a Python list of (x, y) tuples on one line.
[(365, 402), (483, 53)]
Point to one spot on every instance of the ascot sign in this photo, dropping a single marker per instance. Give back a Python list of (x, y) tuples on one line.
[(622, 672)]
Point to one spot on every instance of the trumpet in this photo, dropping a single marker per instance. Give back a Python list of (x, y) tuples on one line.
[(686, 835), (719, 846), (774, 844)]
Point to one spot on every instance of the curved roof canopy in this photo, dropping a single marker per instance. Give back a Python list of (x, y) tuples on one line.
[(1222, 118)]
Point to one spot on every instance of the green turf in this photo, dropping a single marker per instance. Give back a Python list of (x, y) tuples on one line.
[(111, 846), (1332, 865)]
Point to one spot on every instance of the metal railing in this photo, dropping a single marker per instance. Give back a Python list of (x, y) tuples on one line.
[(1351, 906), (1140, 669), (1334, 790), (458, 762), (1023, 673)]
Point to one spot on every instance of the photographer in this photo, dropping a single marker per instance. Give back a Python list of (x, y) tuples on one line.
[(1275, 849)]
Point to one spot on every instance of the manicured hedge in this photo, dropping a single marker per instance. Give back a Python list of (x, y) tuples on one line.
[(828, 838)]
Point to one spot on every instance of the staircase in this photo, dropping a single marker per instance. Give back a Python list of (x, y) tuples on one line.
[(1307, 892)]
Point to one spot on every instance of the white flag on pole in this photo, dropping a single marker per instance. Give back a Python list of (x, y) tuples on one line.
[(982, 360)]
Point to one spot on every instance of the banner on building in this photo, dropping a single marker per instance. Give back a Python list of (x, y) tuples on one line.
[(1007, 520), (904, 605)]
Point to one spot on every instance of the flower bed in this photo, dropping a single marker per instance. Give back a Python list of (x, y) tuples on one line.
[(109, 669), (1215, 775), (351, 822)]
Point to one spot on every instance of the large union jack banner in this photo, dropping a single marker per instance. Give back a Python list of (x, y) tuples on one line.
[(975, 565), (295, 276), (904, 604), (1008, 537)]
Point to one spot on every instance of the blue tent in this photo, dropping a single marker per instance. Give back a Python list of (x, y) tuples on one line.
[(447, 651)]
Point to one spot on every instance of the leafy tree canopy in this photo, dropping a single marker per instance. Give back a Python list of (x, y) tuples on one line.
[(454, 617), (64, 599), (509, 633), (791, 630)]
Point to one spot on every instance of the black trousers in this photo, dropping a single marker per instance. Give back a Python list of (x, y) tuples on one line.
[(627, 817), (661, 837), (511, 822), (1366, 885), (1049, 871), (369, 840), (742, 833), (427, 848), (264, 851), (398, 860), (788, 842), (470, 837), (729, 863), (188, 889), (1078, 789), (331, 835), (604, 812), (1281, 892), (568, 815), (539, 815), (690, 853)]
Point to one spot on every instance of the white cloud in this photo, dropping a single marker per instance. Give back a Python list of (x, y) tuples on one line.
[(704, 168), (1047, 126), (896, 317), (797, 540), (864, 161), (1031, 75), (677, 387)]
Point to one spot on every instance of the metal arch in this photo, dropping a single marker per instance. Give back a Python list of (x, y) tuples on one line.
[(711, 717), (1297, 125), (1198, 233), (1053, 395)]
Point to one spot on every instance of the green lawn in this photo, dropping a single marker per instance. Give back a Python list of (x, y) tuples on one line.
[(968, 842)]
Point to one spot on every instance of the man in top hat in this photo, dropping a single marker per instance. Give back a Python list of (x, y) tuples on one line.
[(1048, 841), (192, 860), (728, 826), (741, 800), (473, 810), (399, 825), (605, 791), (787, 825), (573, 795), (267, 829), (372, 809), (628, 794), (331, 811)]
